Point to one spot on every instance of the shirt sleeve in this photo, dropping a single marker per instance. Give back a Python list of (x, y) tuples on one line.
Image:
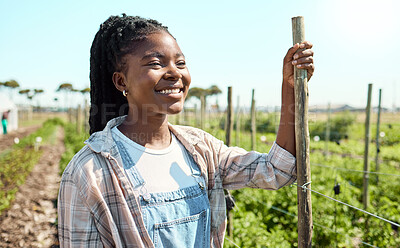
[(76, 225), (240, 168)]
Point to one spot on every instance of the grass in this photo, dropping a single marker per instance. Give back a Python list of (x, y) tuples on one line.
[(20, 160)]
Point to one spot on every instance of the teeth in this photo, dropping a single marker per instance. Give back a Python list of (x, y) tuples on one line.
[(174, 91)]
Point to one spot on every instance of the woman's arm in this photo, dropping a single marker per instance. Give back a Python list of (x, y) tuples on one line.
[(299, 55)]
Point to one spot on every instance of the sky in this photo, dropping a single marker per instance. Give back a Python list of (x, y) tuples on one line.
[(226, 43)]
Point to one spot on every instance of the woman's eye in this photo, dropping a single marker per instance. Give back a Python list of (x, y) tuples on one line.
[(155, 64), (181, 64)]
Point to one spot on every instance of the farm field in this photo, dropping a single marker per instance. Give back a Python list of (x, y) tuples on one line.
[(263, 218)]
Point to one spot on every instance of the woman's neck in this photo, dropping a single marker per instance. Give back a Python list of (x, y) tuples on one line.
[(148, 131)]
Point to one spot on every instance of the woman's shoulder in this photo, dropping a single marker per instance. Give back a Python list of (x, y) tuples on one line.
[(83, 162), (196, 136), (193, 132)]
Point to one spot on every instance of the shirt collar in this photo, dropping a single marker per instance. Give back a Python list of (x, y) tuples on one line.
[(102, 141)]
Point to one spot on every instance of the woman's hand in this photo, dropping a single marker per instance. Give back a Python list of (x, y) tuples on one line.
[(301, 56)]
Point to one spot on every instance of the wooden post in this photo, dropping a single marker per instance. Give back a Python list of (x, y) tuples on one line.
[(69, 111), (304, 225), (78, 119), (229, 118), (276, 120), (86, 116), (366, 150), (202, 111), (228, 139), (237, 136), (196, 118), (186, 117), (378, 122), (253, 121), (328, 131)]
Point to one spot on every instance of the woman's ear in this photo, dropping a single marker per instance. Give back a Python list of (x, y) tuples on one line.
[(119, 81)]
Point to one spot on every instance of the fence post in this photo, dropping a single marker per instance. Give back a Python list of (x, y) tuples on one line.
[(228, 138), (378, 122), (253, 121), (78, 119), (366, 151), (202, 111), (237, 136), (86, 117), (328, 131), (304, 224), (229, 118)]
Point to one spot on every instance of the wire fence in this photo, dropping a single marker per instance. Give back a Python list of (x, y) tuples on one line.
[(351, 170), (295, 216)]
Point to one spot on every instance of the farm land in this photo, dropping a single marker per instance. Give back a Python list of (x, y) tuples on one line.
[(260, 218)]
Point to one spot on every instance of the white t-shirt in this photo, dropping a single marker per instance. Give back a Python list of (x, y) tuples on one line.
[(162, 170)]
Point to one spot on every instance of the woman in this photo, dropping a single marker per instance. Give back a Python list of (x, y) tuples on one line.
[(141, 182)]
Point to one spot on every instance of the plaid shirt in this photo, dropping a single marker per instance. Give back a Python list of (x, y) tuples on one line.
[(97, 206)]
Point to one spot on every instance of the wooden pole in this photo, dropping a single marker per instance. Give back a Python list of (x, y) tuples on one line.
[(366, 150), (202, 111), (228, 138), (276, 120), (304, 224), (86, 116), (229, 118), (196, 119), (378, 122), (253, 121), (328, 130), (78, 119), (237, 136), (186, 116)]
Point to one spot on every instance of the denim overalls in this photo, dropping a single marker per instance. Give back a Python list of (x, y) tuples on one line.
[(179, 218)]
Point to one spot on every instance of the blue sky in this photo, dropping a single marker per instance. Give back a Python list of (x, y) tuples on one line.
[(227, 43)]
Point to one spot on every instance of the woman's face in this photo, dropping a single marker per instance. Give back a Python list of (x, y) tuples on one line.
[(156, 78)]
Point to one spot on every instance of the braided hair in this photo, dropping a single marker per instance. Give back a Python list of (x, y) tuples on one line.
[(117, 37)]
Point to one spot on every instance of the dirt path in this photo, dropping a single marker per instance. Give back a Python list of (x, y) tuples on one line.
[(6, 141), (30, 222)]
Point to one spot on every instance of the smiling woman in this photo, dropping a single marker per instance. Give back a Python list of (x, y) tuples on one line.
[(142, 182)]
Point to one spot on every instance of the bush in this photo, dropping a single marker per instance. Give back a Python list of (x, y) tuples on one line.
[(339, 127)]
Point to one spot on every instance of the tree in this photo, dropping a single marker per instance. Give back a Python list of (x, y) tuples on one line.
[(37, 92), (202, 94), (24, 92), (66, 88), (85, 92), (11, 84)]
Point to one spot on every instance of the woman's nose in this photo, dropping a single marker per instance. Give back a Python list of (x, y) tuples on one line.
[(172, 73)]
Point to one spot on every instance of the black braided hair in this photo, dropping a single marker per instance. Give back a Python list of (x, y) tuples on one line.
[(117, 37)]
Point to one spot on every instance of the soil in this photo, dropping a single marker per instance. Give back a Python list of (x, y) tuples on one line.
[(31, 220), (6, 141)]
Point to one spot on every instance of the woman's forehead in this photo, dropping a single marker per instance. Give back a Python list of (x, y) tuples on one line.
[(160, 44)]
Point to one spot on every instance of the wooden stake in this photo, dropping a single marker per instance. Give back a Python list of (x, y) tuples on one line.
[(237, 143), (378, 122), (328, 130), (202, 111), (253, 121), (229, 118), (366, 150), (79, 119), (305, 226)]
